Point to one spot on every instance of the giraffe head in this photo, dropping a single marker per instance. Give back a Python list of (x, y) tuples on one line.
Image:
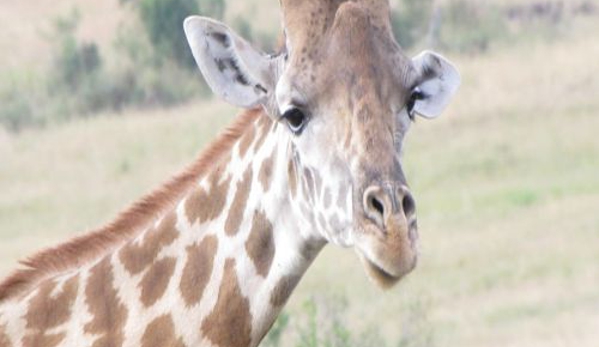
[(346, 93)]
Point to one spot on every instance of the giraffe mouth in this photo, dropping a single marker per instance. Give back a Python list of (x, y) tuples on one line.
[(379, 275), (388, 258)]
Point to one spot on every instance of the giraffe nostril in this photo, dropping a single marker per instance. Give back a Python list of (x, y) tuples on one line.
[(377, 205), (408, 204)]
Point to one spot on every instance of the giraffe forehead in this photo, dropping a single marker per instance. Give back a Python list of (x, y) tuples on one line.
[(351, 24), (354, 47), (308, 21)]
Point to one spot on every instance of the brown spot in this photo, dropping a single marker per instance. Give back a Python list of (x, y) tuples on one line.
[(239, 201), (292, 176), (4, 340), (283, 290), (246, 140), (154, 283), (196, 204), (308, 184), (204, 206), (109, 314), (264, 123), (260, 245), (161, 333), (138, 256), (263, 131), (51, 340), (197, 271), (311, 249), (47, 311), (266, 172), (230, 323)]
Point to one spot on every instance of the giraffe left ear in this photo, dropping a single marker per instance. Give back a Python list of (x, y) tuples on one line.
[(234, 70), (439, 81)]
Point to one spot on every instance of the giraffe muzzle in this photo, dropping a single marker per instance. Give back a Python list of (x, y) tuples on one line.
[(388, 244)]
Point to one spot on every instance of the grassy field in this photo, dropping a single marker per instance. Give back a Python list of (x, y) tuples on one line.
[(507, 185)]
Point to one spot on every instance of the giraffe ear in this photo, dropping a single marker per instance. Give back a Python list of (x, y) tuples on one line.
[(439, 81), (234, 70)]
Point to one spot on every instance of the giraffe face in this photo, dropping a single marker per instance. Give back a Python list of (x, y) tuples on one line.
[(347, 94)]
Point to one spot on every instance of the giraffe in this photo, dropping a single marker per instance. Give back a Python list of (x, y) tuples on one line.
[(211, 257)]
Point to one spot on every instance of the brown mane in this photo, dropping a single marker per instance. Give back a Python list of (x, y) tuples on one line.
[(128, 224)]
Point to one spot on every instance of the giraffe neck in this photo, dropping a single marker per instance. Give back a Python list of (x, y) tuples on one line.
[(216, 270), (263, 248)]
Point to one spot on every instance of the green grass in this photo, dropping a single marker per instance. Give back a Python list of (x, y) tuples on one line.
[(507, 186)]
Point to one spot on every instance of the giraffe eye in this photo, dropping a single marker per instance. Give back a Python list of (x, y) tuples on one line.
[(295, 119), (416, 95)]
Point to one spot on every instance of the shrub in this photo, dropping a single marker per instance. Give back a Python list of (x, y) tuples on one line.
[(265, 40), (410, 21), (73, 62), (273, 338), (243, 28), (471, 27), (16, 112), (78, 82), (459, 25), (320, 324), (155, 57), (153, 80), (162, 20), (212, 8)]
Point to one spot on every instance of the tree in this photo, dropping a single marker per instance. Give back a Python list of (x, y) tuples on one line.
[(411, 21), (162, 21)]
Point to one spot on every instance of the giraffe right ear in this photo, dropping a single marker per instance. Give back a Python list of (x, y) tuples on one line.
[(234, 70)]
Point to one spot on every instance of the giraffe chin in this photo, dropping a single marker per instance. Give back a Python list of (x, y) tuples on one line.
[(380, 276)]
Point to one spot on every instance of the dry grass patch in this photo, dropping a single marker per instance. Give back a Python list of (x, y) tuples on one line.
[(62, 182), (26, 23)]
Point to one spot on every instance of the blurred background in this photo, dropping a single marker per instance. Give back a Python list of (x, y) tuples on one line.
[(100, 102)]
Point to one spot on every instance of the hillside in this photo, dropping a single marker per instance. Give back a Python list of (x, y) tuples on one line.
[(26, 24)]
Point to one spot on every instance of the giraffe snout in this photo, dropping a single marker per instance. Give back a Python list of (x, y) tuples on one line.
[(388, 242)]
